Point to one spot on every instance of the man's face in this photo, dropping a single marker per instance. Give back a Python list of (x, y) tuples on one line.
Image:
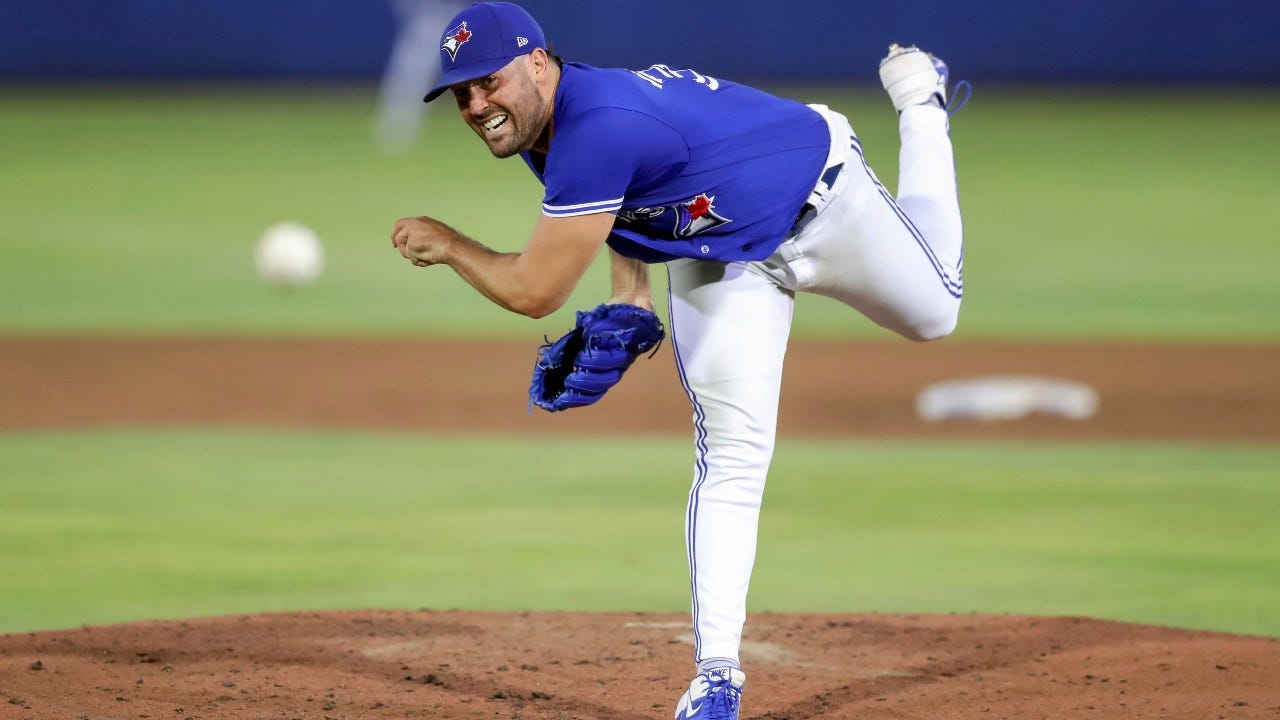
[(505, 109)]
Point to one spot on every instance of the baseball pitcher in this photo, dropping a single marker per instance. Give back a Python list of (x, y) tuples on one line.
[(747, 199)]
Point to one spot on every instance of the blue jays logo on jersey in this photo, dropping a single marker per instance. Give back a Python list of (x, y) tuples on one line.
[(697, 215), (454, 39)]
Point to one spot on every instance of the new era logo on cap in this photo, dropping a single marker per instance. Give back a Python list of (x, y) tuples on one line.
[(521, 41)]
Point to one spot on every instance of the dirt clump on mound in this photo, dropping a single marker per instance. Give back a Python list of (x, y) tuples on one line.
[(626, 666)]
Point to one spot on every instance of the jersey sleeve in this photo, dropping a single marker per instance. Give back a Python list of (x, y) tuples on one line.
[(598, 157)]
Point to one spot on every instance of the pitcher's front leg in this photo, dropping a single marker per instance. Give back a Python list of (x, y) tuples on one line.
[(729, 328)]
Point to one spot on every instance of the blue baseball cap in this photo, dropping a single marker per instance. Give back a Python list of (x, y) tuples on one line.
[(483, 39)]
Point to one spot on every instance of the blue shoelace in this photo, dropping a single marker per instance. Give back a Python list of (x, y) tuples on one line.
[(957, 100), (724, 700)]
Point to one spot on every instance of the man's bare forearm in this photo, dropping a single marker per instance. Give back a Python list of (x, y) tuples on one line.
[(494, 275), (533, 282)]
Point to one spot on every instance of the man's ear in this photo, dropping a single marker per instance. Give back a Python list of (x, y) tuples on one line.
[(540, 61)]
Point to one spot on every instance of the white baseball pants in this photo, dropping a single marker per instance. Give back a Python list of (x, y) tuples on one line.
[(897, 262)]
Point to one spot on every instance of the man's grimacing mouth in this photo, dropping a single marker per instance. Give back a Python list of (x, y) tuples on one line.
[(494, 122)]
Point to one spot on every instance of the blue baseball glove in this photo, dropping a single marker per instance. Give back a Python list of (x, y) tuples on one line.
[(579, 368)]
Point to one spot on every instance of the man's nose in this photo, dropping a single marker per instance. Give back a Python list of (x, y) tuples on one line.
[(477, 101)]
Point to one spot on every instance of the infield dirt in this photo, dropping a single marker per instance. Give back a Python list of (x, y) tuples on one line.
[(835, 389), (460, 664)]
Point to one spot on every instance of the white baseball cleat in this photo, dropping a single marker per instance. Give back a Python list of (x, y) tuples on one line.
[(713, 695), (912, 76)]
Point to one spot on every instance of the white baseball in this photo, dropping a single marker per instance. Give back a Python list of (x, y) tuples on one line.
[(288, 254)]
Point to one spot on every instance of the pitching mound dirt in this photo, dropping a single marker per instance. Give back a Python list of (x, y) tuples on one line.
[(394, 664)]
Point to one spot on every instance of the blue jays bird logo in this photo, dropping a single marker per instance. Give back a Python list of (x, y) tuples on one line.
[(697, 215), (455, 39)]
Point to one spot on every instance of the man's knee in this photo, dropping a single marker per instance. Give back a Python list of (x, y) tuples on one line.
[(931, 326)]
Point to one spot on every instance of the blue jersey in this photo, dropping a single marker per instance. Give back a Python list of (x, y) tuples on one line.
[(693, 166)]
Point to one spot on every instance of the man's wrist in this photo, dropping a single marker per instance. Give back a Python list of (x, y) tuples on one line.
[(644, 300), (449, 248)]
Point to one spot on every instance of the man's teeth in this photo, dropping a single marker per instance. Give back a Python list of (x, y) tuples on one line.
[(495, 122)]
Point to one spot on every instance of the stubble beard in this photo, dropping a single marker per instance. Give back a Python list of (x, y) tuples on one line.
[(527, 118)]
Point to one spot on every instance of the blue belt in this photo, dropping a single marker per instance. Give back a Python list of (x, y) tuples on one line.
[(809, 211)]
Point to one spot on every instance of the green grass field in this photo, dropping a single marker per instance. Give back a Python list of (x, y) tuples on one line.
[(127, 525), (1121, 215), (1117, 216)]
